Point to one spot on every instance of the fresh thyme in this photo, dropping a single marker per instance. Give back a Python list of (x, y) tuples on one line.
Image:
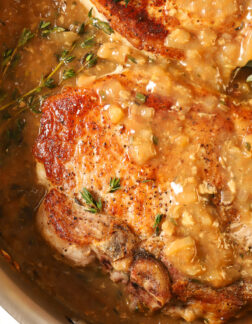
[(81, 29), (140, 98), (90, 59), (6, 56), (50, 83), (132, 59), (65, 57), (47, 82), (44, 24), (114, 184), (67, 74), (32, 98), (146, 180), (102, 25), (157, 223), (95, 206), (58, 29), (88, 42), (24, 38), (35, 102), (45, 30)]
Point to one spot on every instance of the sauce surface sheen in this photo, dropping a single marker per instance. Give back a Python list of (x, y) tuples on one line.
[(198, 126)]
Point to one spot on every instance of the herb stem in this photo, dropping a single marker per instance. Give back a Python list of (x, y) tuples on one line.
[(25, 36), (40, 86), (7, 122), (81, 68), (9, 62), (20, 98), (7, 105), (55, 70), (29, 93)]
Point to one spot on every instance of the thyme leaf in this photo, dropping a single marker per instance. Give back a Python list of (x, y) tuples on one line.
[(6, 56), (89, 42), (146, 180), (114, 184), (49, 83), (65, 58), (140, 98), (44, 24), (132, 59), (25, 37), (58, 29), (67, 74), (102, 25), (46, 31), (95, 206), (157, 223), (81, 29), (91, 60), (34, 103)]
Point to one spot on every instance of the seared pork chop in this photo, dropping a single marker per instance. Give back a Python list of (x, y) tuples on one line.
[(146, 176), (210, 38)]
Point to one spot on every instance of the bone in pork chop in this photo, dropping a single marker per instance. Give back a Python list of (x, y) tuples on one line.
[(210, 38), (171, 228)]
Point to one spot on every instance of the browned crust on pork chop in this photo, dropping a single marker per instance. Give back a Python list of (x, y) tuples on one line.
[(134, 23), (147, 23)]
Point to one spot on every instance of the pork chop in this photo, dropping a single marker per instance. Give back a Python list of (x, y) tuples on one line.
[(146, 176), (210, 38)]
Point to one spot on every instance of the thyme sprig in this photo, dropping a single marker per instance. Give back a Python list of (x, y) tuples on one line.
[(114, 184), (95, 206), (24, 38), (64, 58), (46, 82)]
